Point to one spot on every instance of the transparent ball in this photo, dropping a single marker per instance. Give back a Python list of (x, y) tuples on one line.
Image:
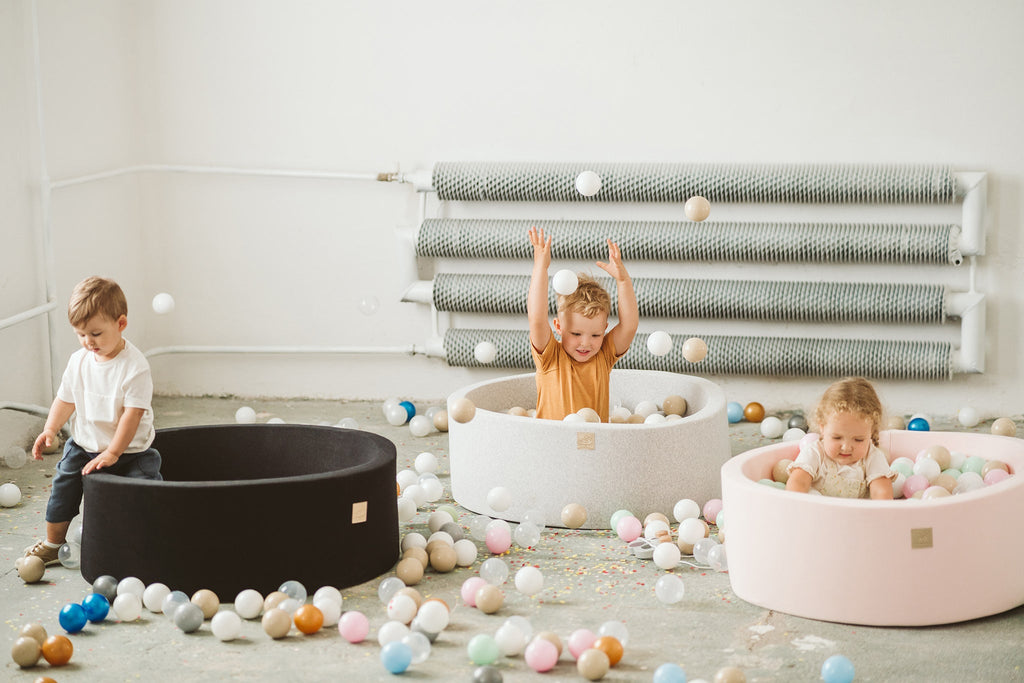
[(15, 457), (511, 640), (615, 629), (526, 535), (70, 555), (477, 525), (348, 423), (294, 589), (494, 571), (717, 559), (368, 305), (701, 548), (535, 517), (419, 645), (669, 589), (387, 588)]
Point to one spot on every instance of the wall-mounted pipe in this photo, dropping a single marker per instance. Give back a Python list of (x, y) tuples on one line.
[(28, 314), (973, 187), (433, 348)]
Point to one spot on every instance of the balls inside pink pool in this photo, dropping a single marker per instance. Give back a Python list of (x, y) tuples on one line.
[(995, 476), (629, 528), (541, 655), (913, 484), (498, 539), (711, 509), (579, 640), (353, 626), (469, 588)]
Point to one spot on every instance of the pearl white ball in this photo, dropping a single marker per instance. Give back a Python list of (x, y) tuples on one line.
[(659, 343), (421, 425), (772, 427), (499, 499), (485, 352), (529, 580), (425, 462), (588, 183), (163, 303), (245, 415), (968, 417), (226, 625), (565, 282), (686, 509), (666, 555), (697, 208)]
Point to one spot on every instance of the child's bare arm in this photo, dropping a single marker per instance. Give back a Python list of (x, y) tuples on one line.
[(60, 411), (537, 300), (629, 313), (126, 428), (799, 481), (881, 489)]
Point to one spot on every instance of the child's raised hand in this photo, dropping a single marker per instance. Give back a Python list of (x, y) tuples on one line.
[(614, 266), (541, 247)]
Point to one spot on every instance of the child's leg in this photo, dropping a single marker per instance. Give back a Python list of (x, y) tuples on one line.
[(66, 494)]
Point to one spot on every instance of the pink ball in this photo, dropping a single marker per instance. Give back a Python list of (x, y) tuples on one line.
[(711, 510), (581, 639), (629, 528), (995, 476), (498, 539), (469, 588), (541, 655), (915, 483), (353, 626)]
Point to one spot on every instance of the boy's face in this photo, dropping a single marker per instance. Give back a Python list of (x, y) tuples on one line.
[(102, 336), (582, 337)]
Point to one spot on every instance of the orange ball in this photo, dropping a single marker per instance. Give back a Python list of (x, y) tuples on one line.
[(754, 412), (309, 619), (611, 646), (57, 650)]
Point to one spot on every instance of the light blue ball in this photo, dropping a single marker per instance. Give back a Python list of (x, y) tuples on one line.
[(734, 411), (396, 657), (837, 669), (669, 673), (919, 424)]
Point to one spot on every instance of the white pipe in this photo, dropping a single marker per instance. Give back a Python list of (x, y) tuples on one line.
[(221, 170), (970, 357), (25, 408), (429, 349), (27, 315), (419, 292), (974, 186)]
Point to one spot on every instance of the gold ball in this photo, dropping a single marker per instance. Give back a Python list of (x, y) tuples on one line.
[(754, 412), (462, 410)]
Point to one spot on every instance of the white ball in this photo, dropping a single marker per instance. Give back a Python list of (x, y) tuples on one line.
[(275, 421), (529, 580), (653, 527), (406, 478), (485, 352), (697, 208), (686, 509), (401, 608), (413, 539), (226, 625), (397, 415), (330, 609), (433, 489), (691, 530), (127, 606), (443, 536), (654, 418), (588, 415), (437, 519), (245, 415), (927, 468), (772, 427), (659, 343), (163, 303), (421, 425), (391, 631), (619, 414), (131, 584), (574, 417), (425, 462), (153, 597), (666, 555), (968, 417), (794, 434), (10, 495), (565, 282), (406, 509), (416, 492), (510, 639), (499, 499), (465, 552), (433, 616), (249, 603), (645, 408), (588, 183)]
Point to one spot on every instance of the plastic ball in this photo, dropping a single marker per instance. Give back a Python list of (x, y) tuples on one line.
[(717, 559), (565, 282), (406, 509), (387, 588), (618, 515), (499, 499), (31, 569), (666, 555), (772, 427), (580, 640), (730, 674), (72, 618), (793, 434), (10, 495), (629, 528), (695, 349), (206, 600), (462, 410), (465, 552), (669, 589), (659, 343), (245, 415), (485, 352), (489, 599), (469, 588), (529, 580), (35, 631), (15, 457), (995, 476), (734, 412), (396, 416), (526, 536), (927, 468), (396, 657), (541, 655), (440, 420), (487, 674), (127, 607), (354, 626), (968, 417), (433, 616), (189, 617), (248, 603), (309, 619), (425, 462), (753, 412), (401, 608), (697, 208), (131, 584), (226, 625), (616, 629), (420, 426), (669, 673), (837, 669), (510, 638), (494, 571), (574, 515), (593, 664), (348, 423), (498, 540), (26, 652), (482, 649), (645, 408), (611, 646), (96, 607), (588, 183), (419, 646), (685, 509), (329, 609), (153, 597), (1004, 426), (918, 424), (701, 549), (57, 650), (163, 303), (106, 586)]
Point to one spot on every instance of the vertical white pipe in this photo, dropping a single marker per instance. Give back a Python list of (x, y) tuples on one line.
[(972, 222)]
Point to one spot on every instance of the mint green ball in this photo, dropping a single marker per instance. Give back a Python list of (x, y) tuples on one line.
[(482, 649), (619, 514), (905, 468), (955, 473), (974, 463)]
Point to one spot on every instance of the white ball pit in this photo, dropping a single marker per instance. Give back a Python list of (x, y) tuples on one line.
[(547, 464), (879, 563)]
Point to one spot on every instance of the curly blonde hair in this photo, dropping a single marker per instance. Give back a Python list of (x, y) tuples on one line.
[(96, 296), (851, 395), (589, 299)]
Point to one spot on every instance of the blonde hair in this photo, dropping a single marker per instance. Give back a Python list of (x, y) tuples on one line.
[(589, 299), (851, 395), (96, 296)]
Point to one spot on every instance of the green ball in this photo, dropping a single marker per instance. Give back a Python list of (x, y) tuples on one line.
[(482, 649), (450, 509), (952, 472), (974, 463), (617, 515)]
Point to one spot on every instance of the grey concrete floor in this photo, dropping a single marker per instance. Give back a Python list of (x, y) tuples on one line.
[(590, 578)]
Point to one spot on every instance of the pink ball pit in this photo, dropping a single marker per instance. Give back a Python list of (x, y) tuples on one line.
[(880, 563)]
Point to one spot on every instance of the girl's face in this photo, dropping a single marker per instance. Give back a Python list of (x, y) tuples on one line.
[(846, 437)]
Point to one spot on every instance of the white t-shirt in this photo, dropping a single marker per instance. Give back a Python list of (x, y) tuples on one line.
[(101, 391), (845, 481)]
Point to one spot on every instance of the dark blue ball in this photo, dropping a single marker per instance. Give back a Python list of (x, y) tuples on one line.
[(410, 409), (96, 607), (918, 424), (72, 617)]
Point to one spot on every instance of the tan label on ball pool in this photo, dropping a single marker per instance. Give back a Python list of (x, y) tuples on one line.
[(586, 441), (359, 512), (921, 538)]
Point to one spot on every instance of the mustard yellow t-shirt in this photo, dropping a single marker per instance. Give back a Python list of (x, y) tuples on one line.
[(564, 385)]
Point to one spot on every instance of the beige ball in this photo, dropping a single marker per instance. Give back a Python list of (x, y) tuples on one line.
[(489, 599), (780, 471), (895, 422), (593, 664), (419, 554), (518, 411), (26, 652), (553, 638), (443, 558), (34, 631), (273, 600), (441, 420), (697, 208), (31, 569), (674, 405), (635, 419), (416, 596), (1004, 426), (574, 515), (276, 623), (695, 349), (207, 601), (410, 570), (55, 445), (462, 410), (588, 415), (655, 516), (994, 465), (939, 454), (730, 674)]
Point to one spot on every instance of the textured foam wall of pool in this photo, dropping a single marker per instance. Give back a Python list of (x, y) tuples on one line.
[(248, 506), (547, 464), (883, 563)]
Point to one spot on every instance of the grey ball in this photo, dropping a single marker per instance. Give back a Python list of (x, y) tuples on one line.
[(106, 586), (454, 530), (188, 617), (798, 421), (487, 674)]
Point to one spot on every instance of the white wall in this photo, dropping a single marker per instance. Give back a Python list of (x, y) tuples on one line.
[(366, 87)]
